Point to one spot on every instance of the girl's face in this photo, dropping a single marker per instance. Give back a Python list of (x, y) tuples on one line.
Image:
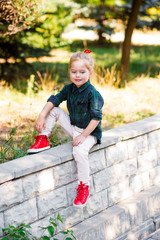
[(79, 73)]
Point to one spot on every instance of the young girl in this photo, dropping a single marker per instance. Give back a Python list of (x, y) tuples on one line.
[(83, 123)]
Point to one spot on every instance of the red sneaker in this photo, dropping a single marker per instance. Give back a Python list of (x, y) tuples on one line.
[(82, 195), (41, 144)]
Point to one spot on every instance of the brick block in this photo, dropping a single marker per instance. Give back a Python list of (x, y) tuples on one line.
[(140, 182), (114, 174), (128, 168), (119, 192), (96, 203), (116, 153), (37, 183), (1, 223), (156, 221), (108, 224), (5, 174), (10, 194), (97, 161), (70, 217), (31, 163), (147, 161), (137, 208), (158, 154), (104, 178), (142, 231), (153, 195), (156, 235), (137, 146), (51, 201), (155, 175), (65, 173), (25, 212), (154, 139)]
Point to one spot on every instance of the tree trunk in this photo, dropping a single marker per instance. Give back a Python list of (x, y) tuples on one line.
[(124, 65)]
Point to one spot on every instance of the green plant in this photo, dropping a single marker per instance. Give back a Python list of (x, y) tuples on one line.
[(107, 76), (21, 232), (30, 90), (12, 148)]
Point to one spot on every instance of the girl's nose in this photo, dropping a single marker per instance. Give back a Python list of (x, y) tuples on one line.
[(77, 74)]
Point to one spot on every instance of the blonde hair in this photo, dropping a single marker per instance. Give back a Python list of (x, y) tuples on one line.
[(86, 57)]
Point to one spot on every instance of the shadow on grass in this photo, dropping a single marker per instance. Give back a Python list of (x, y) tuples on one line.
[(143, 60)]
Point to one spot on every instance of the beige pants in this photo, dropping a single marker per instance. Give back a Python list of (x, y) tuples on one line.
[(81, 151)]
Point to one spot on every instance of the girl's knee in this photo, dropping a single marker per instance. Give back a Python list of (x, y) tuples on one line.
[(79, 151)]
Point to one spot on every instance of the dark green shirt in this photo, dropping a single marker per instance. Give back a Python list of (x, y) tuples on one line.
[(83, 103)]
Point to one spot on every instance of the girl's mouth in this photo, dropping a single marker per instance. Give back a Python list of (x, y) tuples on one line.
[(77, 80)]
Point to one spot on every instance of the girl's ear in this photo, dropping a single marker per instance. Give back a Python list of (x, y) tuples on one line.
[(90, 73)]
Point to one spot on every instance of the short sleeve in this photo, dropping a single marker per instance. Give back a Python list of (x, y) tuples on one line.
[(58, 98), (96, 104)]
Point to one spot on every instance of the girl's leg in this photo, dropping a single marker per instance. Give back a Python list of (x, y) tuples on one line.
[(55, 115), (80, 154), (61, 117)]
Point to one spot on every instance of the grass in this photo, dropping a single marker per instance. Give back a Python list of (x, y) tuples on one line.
[(27, 94), (142, 60)]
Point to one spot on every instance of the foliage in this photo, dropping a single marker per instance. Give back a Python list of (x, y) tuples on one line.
[(17, 15), (21, 232), (12, 148), (50, 26), (104, 13), (149, 14)]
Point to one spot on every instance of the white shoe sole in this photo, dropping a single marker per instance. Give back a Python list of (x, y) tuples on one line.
[(37, 150), (81, 206)]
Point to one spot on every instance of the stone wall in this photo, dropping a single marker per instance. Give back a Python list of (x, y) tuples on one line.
[(124, 193)]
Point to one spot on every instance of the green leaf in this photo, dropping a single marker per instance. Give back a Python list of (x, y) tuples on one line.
[(22, 225), (64, 232), (52, 219), (68, 238), (5, 238), (44, 228), (51, 230), (59, 218), (54, 224), (5, 229), (10, 226), (11, 232), (45, 238), (28, 226), (21, 232)]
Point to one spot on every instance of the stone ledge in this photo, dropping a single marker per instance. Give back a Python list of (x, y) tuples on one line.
[(62, 153), (115, 222)]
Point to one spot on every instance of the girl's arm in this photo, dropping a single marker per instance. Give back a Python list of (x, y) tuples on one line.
[(41, 122), (87, 131)]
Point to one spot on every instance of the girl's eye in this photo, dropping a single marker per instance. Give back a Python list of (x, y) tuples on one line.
[(82, 72)]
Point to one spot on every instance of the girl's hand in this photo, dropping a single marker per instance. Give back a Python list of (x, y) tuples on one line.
[(39, 124), (78, 140)]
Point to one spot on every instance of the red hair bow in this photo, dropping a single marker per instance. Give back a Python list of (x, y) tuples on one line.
[(87, 51)]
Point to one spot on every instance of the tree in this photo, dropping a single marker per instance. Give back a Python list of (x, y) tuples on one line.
[(17, 15), (124, 65), (132, 21), (102, 12)]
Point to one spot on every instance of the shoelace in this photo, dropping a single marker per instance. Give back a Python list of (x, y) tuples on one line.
[(39, 140), (81, 191)]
